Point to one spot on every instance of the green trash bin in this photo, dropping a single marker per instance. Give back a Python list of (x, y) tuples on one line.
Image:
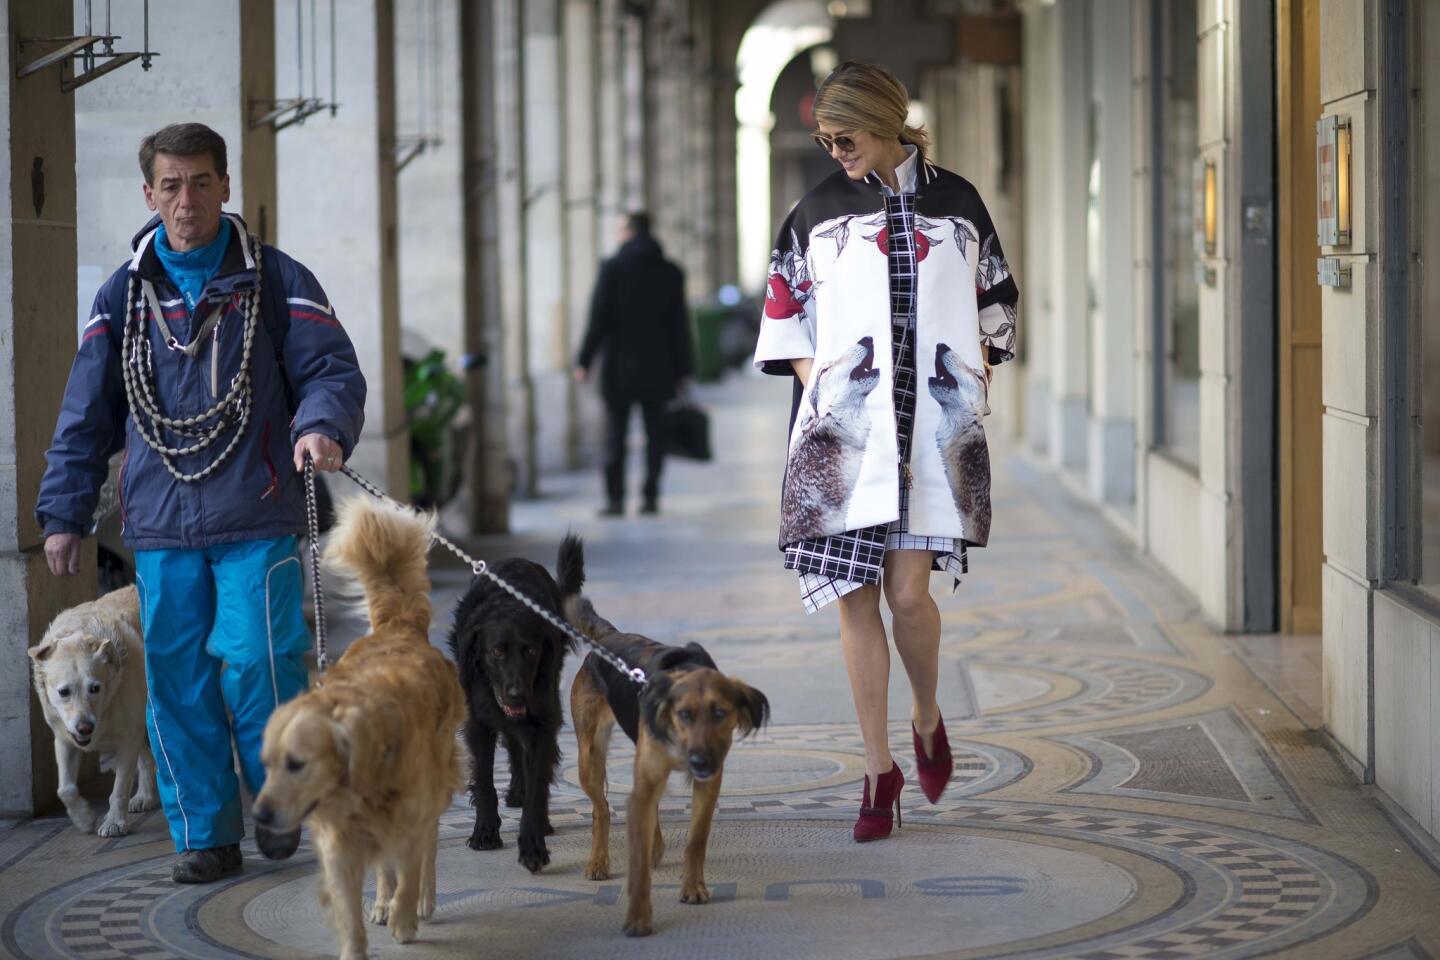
[(709, 360)]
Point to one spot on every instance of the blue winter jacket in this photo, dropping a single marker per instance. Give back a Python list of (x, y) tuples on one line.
[(256, 493)]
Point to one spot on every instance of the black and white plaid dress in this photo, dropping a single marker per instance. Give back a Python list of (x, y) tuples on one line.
[(830, 567)]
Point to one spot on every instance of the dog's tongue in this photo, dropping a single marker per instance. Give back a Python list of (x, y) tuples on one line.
[(512, 712)]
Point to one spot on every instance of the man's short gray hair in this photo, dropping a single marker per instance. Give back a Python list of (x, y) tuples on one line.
[(182, 140)]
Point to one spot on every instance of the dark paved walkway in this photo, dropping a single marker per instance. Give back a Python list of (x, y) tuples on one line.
[(1126, 787)]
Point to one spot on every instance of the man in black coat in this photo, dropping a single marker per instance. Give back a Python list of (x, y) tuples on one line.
[(639, 320)]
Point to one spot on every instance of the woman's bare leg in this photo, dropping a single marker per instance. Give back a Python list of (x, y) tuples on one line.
[(867, 660), (917, 633)]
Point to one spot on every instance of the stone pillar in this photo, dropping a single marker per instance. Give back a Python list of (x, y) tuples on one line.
[(510, 161), (720, 89), (1110, 257), (679, 152), (37, 345), (700, 163), (1353, 392), (1069, 378), (256, 164), (1144, 301), (1038, 83), (338, 199), (665, 110), (1216, 537), (610, 110), (545, 238), (487, 474), (583, 247), (635, 124)]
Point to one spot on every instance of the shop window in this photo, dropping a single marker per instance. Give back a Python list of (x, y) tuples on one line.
[(1178, 331)]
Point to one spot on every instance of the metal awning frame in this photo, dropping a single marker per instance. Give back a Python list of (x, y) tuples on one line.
[(81, 50)]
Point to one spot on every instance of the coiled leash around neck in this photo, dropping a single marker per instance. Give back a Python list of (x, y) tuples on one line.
[(477, 567), (231, 411)]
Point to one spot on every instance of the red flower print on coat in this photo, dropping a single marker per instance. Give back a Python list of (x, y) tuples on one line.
[(781, 302), (787, 289), (922, 243)]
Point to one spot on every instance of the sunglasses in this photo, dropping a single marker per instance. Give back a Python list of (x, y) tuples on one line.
[(828, 144)]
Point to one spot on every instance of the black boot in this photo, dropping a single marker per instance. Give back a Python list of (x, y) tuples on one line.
[(206, 866)]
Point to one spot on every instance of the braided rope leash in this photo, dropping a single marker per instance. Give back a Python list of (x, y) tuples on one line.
[(138, 372), (312, 519), (477, 567)]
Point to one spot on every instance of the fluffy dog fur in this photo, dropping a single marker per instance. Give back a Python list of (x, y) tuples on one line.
[(369, 758), (89, 673), (961, 392), (824, 461), (685, 718), (510, 662)]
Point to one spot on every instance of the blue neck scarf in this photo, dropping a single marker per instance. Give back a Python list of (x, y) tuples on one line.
[(191, 270)]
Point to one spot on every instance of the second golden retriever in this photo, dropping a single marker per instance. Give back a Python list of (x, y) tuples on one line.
[(369, 759)]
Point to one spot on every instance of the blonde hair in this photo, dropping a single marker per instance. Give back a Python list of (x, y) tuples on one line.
[(863, 96)]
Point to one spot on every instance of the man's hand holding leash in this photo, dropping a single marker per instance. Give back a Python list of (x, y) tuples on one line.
[(325, 452)]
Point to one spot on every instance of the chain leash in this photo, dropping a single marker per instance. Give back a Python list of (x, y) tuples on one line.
[(478, 568), (312, 519)]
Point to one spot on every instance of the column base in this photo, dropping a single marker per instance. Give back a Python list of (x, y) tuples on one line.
[(1111, 461), (1068, 432)]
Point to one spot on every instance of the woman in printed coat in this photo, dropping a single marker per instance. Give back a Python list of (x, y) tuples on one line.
[(890, 301)]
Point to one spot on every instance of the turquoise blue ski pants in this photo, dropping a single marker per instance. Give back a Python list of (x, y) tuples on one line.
[(225, 640)]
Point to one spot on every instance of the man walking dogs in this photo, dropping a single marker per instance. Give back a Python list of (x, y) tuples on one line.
[(218, 364), (638, 318)]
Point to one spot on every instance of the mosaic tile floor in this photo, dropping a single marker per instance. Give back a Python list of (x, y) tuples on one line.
[(1125, 786)]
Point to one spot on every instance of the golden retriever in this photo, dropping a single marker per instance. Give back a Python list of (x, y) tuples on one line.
[(369, 758)]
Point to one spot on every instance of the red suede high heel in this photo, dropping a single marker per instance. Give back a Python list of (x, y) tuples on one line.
[(933, 771), (876, 819)]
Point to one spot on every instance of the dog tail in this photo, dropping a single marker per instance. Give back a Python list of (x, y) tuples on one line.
[(382, 548), (580, 612), (570, 567)]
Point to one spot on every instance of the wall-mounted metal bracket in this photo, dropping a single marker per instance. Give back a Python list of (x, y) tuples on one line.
[(81, 52), (288, 112), (407, 149)]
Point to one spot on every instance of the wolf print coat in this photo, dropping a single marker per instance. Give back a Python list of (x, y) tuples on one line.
[(828, 298)]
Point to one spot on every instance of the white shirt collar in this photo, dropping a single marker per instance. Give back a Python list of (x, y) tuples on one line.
[(905, 173)]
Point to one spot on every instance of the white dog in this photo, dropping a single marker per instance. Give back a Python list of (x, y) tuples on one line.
[(89, 673)]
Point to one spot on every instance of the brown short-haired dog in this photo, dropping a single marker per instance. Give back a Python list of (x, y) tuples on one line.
[(684, 718)]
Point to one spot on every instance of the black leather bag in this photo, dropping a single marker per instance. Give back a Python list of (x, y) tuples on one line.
[(687, 432)]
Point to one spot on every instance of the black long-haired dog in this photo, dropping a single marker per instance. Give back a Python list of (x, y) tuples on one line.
[(510, 661)]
